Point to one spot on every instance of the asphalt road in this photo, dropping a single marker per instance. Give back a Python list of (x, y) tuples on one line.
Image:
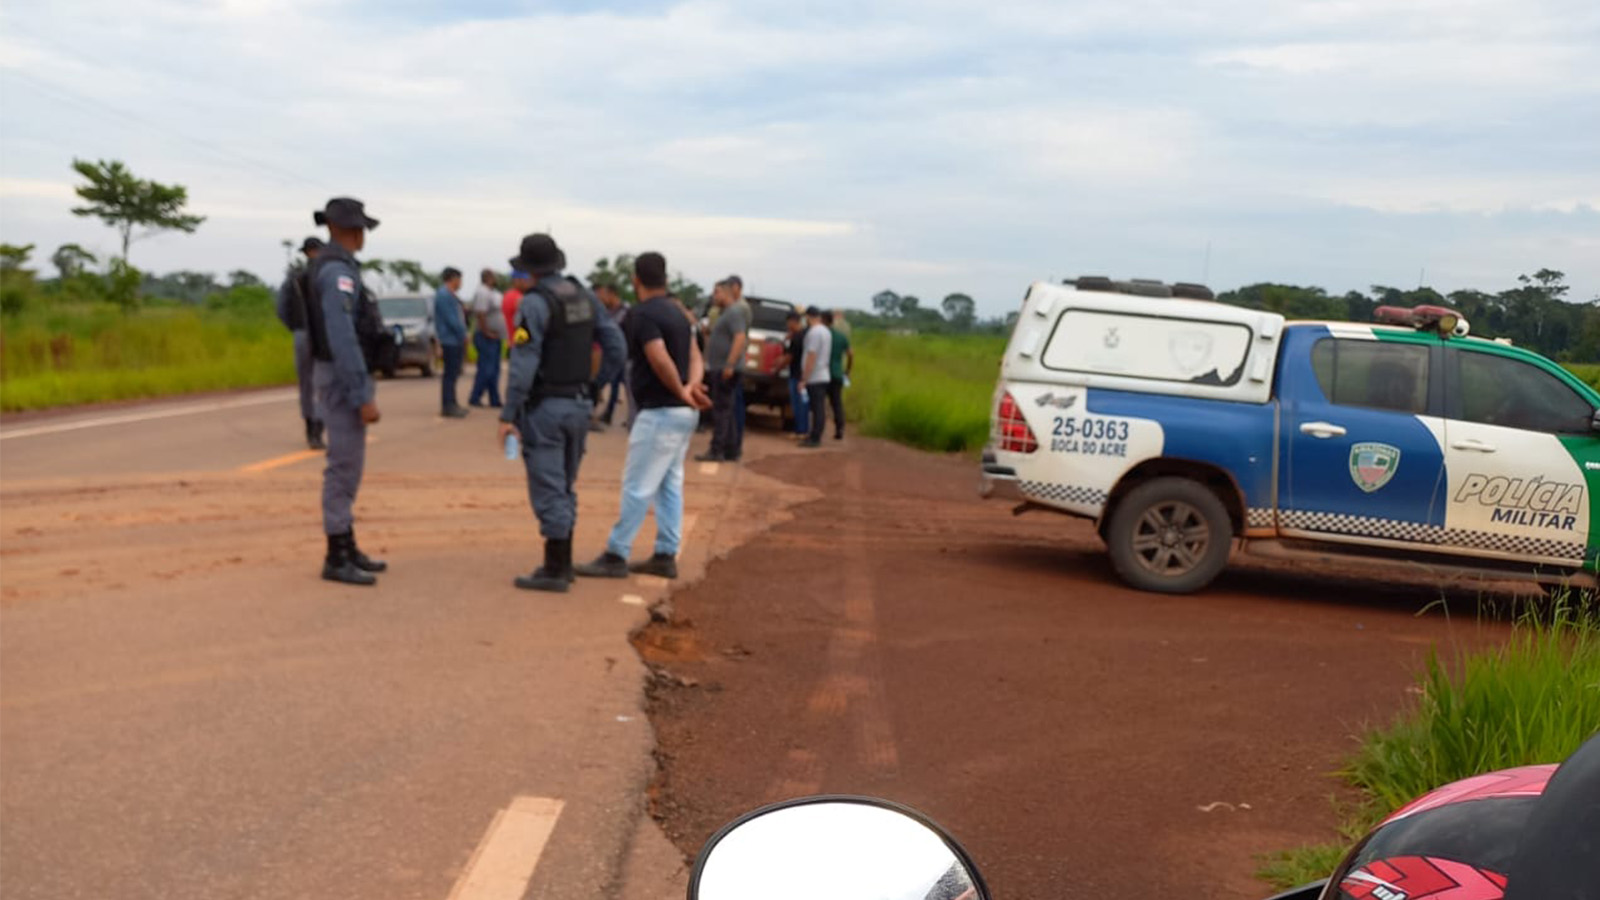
[(188, 711)]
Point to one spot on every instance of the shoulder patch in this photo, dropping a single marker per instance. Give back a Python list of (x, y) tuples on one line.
[(521, 337), (347, 284)]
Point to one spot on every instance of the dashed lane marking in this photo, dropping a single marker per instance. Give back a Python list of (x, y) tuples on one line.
[(503, 864), (278, 462), (710, 468), (289, 459), (146, 416), (633, 599)]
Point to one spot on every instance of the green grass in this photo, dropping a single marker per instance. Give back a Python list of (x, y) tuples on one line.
[(927, 391), (93, 353), (1534, 699)]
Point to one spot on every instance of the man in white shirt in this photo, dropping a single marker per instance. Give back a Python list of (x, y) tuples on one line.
[(488, 336), (819, 352)]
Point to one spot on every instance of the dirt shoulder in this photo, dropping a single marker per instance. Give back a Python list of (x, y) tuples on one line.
[(901, 638)]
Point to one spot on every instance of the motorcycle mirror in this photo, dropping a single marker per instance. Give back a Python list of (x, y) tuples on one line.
[(843, 848)]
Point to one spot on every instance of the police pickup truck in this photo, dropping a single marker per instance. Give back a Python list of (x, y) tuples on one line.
[(1179, 424)]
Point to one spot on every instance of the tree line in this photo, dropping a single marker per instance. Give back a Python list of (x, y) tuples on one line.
[(1537, 313)]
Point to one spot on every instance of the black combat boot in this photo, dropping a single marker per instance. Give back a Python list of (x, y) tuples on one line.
[(339, 566), (664, 565), (364, 562), (555, 575), (314, 435), (606, 565)]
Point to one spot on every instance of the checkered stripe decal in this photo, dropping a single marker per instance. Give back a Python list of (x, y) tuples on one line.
[(1417, 532), (1064, 493), (1259, 518), (1507, 543), (1365, 526)]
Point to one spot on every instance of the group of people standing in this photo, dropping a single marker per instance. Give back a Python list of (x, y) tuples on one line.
[(819, 358), (565, 343)]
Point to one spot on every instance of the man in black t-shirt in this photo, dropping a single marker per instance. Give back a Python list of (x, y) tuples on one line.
[(667, 374)]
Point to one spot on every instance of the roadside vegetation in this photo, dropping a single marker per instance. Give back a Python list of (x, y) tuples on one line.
[(927, 391), (1534, 699)]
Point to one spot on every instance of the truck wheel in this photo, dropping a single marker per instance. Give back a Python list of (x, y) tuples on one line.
[(1170, 535)]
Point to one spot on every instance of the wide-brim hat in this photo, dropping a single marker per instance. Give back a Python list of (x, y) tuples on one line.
[(539, 255), (344, 212)]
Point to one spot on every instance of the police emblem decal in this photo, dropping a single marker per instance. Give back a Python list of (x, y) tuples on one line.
[(1372, 465), (347, 284), (521, 337)]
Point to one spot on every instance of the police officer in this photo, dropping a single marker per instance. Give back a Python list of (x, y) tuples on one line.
[(344, 327), (292, 313), (549, 395)]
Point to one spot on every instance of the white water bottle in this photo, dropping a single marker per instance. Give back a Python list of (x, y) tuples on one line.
[(513, 447)]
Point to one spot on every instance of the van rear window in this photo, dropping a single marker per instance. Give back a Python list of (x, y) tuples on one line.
[(1150, 347)]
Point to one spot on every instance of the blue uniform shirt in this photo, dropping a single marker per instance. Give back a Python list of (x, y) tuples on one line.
[(526, 352), (448, 322), (338, 290)]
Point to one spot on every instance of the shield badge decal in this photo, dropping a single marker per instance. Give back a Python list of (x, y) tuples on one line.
[(1191, 351), (1372, 465)]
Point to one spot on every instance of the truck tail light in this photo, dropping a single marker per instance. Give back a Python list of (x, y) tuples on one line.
[(1012, 431)]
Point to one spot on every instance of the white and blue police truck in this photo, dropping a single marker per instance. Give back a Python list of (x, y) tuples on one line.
[(1181, 426)]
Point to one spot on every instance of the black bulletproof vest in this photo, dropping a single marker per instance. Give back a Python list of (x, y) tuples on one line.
[(368, 320), (299, 294), (564, 361)]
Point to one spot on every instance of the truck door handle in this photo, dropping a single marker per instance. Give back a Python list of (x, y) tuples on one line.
[(1474, 445), (1322, 430)]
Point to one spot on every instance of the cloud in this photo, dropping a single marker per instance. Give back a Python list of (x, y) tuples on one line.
[(832, 149)]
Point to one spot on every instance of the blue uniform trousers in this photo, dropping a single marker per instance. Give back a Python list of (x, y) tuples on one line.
[(347, 452), (553, 435)]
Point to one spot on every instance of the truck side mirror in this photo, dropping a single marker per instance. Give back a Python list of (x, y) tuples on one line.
[(1594, 422)]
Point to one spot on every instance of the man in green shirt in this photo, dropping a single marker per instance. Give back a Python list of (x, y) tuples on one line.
[(840, 363)]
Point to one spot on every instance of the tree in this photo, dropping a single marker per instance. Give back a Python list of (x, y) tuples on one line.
[(400, 274), (16, 279), (886, 303), (241, 278), (960, 309), (617, 274), (71, 260), (125, 202), (692, 294), (909, 305)]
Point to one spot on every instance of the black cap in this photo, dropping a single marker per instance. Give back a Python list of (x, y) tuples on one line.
[(813, 311), (344, 212), (539, 255), (312, 243), (734, 280)]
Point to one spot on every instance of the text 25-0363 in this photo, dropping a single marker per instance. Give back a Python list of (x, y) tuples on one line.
[(1089, 436)]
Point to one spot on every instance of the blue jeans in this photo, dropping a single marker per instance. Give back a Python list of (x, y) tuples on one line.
[(800, 406), (738, 406), (487, 379), (454, 355), (653, 475)]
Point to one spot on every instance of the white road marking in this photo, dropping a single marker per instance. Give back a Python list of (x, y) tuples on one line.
[(146, 416), (503, 864), (633, 599), (709, 468)]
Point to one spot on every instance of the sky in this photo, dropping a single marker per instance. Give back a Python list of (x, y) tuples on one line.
[(828, 150)]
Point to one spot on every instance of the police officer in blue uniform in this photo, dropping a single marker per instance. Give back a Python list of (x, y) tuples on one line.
[(292, 313), (345, 330), (550, 395)]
